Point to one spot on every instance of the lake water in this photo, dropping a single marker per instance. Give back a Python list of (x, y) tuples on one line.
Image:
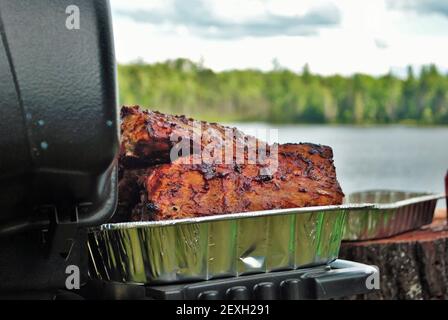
[(390, 157)]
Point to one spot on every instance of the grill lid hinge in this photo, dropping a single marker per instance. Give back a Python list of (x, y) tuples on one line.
[(62, 230)]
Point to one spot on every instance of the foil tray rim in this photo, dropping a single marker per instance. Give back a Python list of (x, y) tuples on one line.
[(413, 200), (230, 216), (422, 197)]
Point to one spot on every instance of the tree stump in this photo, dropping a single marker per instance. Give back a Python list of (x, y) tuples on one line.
[(413, 265)]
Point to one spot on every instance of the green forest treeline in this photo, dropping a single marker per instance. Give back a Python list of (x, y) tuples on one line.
[(282, 96)]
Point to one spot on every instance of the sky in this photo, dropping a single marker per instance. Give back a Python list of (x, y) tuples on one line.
[(332, 37)]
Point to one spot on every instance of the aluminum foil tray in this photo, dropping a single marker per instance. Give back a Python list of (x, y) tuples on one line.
[(217, 246), (393, 212)]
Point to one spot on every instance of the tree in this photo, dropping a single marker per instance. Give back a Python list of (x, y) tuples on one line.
[(283, 96)]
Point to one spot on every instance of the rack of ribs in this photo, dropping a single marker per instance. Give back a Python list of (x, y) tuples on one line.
[(148, 137), (154, 186)]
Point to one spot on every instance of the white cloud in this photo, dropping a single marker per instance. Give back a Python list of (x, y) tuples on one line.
[(433, 7), (345, 37), (200, 17)]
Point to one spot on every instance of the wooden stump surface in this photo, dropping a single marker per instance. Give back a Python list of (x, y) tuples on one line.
[(413, 265)]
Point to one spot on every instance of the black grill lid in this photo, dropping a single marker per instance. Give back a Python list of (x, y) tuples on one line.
[(58, 113)]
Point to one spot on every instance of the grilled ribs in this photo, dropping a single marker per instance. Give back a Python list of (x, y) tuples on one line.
[(305, 177), (148, 137), (162, 188)]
